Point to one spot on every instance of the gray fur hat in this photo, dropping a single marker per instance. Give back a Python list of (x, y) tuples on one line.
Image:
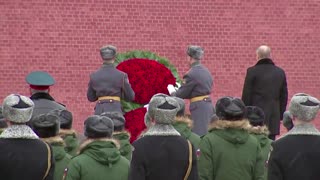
[(117, 118), (3, 123), (196, 52), (98, 127), (147, 120), (108, 52), (304, 106), (17, 108), (65, 118), (287, 120), (182, 106), (163, 108)]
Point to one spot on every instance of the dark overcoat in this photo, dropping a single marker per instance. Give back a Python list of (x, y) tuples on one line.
[(198, 81), (295, 157), (109, 81), (265, 86), (24, 159), (161, 157)]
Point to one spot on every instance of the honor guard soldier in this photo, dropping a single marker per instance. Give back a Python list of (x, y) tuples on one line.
[(109, 85), (40, 82), (197, 87)]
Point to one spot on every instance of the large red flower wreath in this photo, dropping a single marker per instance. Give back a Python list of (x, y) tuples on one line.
[(135, 122), (147, 77), (148, 74)]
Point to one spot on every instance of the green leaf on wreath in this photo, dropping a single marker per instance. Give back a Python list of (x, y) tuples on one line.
[(128, 106)]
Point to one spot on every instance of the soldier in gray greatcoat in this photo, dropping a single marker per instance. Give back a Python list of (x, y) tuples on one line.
[(197, 87), (40, 82), (109, 85)]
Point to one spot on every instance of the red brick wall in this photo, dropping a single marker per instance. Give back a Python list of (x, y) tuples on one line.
[(63, 38)]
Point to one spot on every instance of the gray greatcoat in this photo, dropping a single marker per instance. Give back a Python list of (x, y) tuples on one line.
[(109, 81), (44, 103), (198, 82), (265, 86)]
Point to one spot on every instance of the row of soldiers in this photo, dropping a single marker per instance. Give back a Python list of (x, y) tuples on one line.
[(106, 144), (236, 145)]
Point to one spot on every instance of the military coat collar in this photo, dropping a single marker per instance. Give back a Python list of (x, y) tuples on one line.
[(41, 95), (265, 61)]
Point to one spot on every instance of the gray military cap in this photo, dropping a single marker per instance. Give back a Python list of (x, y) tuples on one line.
[(196, 52), (108, 52), (304, 106)]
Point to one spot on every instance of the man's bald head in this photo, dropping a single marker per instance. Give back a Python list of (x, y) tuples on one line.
[(263, 52)]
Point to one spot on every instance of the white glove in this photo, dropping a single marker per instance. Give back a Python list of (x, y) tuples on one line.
[(178, 85), (146, 106), (171, 89)]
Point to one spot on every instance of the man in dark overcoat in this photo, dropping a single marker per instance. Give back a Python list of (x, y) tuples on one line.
[(296, 155), (22, 154), (197, 87), (162, 153), (108, 85), (265, 86), (40, 83)]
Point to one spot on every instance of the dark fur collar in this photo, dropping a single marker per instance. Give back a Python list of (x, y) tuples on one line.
[(265, 61), (41, 95)]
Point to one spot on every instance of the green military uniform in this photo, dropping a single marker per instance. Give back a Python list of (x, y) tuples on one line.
[(98, 160), (71, 142), (183, 126), (60, 156), (229, 152), (125, 147), (261, 133)]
